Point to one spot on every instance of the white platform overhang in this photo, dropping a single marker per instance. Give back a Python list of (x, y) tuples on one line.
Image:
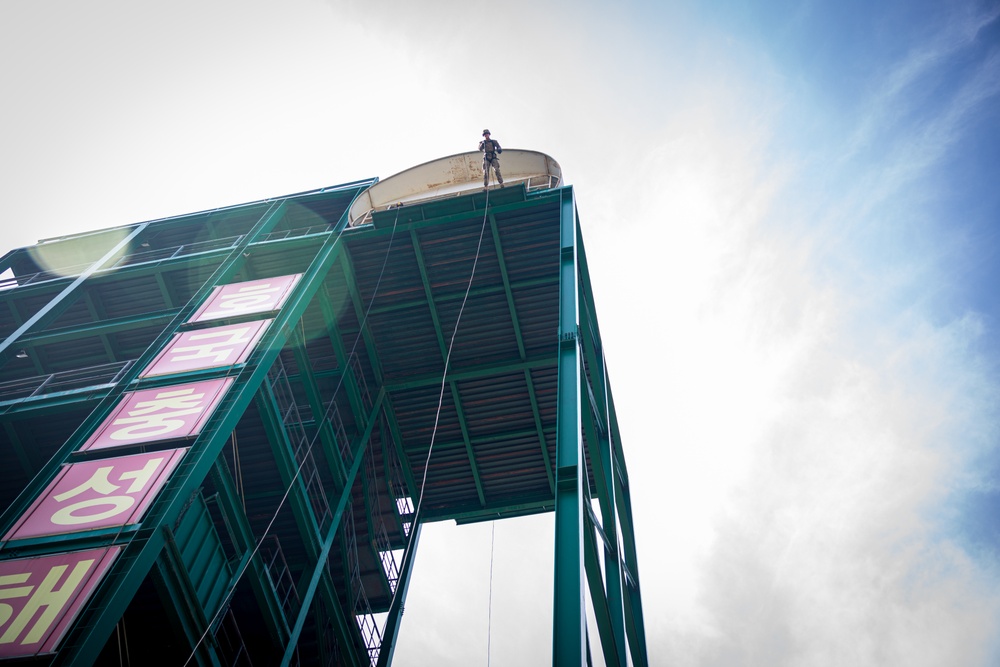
[(451, 176)]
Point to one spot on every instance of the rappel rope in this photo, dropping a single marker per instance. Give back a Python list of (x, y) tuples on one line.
[(489, 606), (298, 470), (407, 553)]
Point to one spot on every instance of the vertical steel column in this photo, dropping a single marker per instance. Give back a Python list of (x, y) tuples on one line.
[(568, 610)]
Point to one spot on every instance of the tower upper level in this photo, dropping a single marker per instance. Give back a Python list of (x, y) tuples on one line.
[(451, 176)]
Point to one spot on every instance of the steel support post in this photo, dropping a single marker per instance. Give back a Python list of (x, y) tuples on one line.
[(568, 611), (331, 533), (391, 630), (605, 462)]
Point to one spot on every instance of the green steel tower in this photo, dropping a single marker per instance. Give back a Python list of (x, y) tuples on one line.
[(222, 432)]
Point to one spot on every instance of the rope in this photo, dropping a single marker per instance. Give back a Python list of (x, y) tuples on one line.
[(447, 363), (298, 470), (128, 657), (238, 465), (489, 616), (407, 553)]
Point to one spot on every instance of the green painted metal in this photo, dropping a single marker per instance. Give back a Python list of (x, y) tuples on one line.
[(309, 526), (138, 557), (395, 616), (53, 308), (508, 294), (238, 523), (463, 424), (110, 399), (605, 466), (603, 610), (569, 618), (429, 295), (357, 458), (344, 371), (359, 310), (19, 450), (475, 373), (567, 399), (539, 429), (475, 292), (103, 328)]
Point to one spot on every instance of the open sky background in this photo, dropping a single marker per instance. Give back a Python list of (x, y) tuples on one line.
[(792, 216)]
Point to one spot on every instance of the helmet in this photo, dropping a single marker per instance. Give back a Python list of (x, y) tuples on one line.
[(485, 132)]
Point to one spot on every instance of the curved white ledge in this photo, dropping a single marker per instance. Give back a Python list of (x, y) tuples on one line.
[(454, 175)]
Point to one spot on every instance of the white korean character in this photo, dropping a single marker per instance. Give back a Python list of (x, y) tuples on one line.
[(219, 352), (144, 420), (45, 595)]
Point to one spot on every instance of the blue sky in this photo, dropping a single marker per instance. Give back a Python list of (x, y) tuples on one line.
[(791, 215)]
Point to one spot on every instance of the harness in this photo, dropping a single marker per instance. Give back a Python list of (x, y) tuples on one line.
[(489, 155)]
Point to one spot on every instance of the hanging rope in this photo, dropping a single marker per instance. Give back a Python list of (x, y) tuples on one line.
[(407, 553), (447, 361), (489, 616), (238, 469)]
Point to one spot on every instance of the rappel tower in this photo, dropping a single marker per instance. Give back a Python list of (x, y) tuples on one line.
[(231, 425)]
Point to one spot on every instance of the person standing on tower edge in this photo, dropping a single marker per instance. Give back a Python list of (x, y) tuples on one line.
[(491, 149)]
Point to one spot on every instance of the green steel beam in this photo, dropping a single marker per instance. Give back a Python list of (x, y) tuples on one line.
[(14, 312), (539, 429), (343, 360), (485, 290), (467, 442), (173, 576), (99, 314), (27, 467), (598, 438), (611, 647), (102, 328), (429, 296), (617, 572), (549, 197), (359, 310), (390, 632), (309, 526), (58, 305), (357, 457), (55, 402), (569, 615), (397, 441), (242, 534), (472, 373), (635, 625), (493, 511), (508, 293), (611, 612), (164, 291), (288, 467), (323, 428)]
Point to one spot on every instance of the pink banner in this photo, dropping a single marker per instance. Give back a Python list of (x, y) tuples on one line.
[(151, 415), (97, 494), (40, 597), (254, 296), (207, 348)]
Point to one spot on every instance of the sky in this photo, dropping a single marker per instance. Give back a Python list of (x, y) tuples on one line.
[(792, 220)]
